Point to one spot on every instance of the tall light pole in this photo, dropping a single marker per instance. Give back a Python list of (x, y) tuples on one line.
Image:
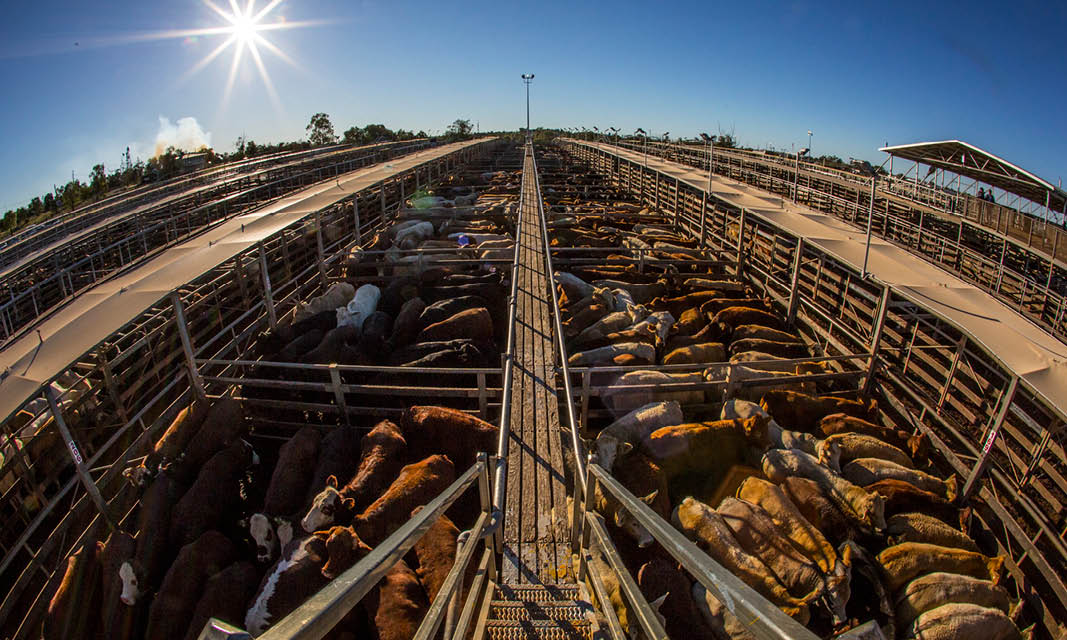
[(809, 137), (526, 79), (615, 130), (644, 135)]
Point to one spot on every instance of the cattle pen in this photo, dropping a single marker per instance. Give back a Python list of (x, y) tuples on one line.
[(83, 412)]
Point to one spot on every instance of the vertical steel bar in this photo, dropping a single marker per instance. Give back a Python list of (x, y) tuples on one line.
[(319, 248), (876, 338), (794, 293), (355, 216), (987, 447), (338, 394), (956, 357), (187, 346), (268, 294), (76, 456)]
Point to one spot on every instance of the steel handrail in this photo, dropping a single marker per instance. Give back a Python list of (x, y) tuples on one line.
[(500, 472), (576, 444), (759, 616), (322, 612)]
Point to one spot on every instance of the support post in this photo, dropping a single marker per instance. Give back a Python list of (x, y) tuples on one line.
[(876, 338), (794, 294), (109, 382), (740, 241), (1000, 269), (338, 395), (187, 347), (960, 347), (355, 217), (320, 249), (870, 220), (268, 294), (79, 462), (703, 219), (987, 446)]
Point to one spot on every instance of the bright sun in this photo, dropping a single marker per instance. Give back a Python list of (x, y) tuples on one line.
[(243, 29)]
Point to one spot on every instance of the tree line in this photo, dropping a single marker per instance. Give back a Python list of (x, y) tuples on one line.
[(101, 183)]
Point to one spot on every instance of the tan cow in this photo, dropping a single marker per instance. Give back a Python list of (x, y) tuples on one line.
[(620, 436), (920, 527), (865, 471), (957, 620), (865, 509), (936, 589), (908, 560), (857, 445)]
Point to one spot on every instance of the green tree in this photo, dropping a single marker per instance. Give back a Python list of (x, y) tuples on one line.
[(459, 129), (98, 179), (320, 130), (49, 202), (353, 135)]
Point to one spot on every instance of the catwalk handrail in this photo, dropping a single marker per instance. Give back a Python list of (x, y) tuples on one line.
[(576, 443), (500, 472), (320, 613), (760, 617)]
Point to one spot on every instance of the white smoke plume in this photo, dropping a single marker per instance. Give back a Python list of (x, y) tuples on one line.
[(186, 135)]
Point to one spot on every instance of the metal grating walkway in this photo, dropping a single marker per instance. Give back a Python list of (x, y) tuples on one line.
[(535, 522)]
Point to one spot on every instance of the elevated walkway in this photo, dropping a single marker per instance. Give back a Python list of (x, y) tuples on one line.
[(535, 549)]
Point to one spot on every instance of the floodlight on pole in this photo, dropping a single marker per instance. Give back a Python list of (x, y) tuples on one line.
[(644, 135), (526, 79), (809, 138)]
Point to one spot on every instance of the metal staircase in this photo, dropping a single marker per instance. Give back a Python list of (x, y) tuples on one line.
[(548, 612)]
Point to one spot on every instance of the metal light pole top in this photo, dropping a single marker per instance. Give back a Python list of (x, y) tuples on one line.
[(526, 79)]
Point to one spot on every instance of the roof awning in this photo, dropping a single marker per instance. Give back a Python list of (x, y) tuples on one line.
[(969, 161)]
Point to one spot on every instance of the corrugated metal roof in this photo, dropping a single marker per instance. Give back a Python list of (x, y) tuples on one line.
[(967, 160)]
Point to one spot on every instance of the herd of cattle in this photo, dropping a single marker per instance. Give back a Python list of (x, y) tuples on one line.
[(246, 535), (812, 501), (224, 532)]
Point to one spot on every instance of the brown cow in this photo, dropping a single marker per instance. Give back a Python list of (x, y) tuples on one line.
[(216, 493), (436, 553), (790, 349), (407, 324), (225, 596), (458, 435), (660, 578), (835, 423), (474, 324), (908, 560), (177, 598), (865, 509), (643, 478), (901, 497), (338, 457), (445, 309), (697, 353), (173, 442), (398, 605), (73, 611), (818, 509), (802, 412), (117, 619), (677, 306), (223, 426), (748, 331), (920, 527), (690, 322), (381, 458), (738, 315), (145, 570), (715, 305), (702, 452), (271, 528), (416, 485)]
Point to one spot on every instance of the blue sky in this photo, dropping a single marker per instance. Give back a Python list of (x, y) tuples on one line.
[(990, 74)]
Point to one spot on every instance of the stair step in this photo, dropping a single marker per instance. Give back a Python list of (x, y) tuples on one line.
[(540, 629), (548, 610), (536, 592)]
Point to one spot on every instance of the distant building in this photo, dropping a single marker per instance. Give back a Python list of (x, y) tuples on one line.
[(194, 161)]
